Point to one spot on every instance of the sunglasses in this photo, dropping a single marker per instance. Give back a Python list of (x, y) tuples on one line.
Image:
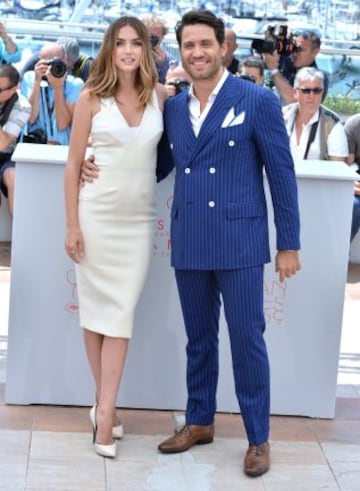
[(7, 88), (315, 90)]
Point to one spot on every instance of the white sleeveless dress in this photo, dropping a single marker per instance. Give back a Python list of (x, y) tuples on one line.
[(117, 218)]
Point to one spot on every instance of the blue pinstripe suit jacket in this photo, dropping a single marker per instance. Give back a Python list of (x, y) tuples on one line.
[(219, 213)]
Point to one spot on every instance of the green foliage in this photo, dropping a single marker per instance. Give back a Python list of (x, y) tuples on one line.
[(342, 104)]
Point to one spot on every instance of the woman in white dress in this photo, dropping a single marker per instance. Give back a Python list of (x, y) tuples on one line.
[(110, 223)]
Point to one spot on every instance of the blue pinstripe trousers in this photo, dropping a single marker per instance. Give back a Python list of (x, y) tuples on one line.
[(242, 293)]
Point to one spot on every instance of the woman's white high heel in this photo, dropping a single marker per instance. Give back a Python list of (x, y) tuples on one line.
[(117, 431), (103, 450)]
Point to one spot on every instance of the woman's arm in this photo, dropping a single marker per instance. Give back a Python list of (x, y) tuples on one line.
[(80, 131), (162, 95)]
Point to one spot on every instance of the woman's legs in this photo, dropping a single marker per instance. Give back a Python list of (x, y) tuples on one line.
[(106, 356), (93, 345)]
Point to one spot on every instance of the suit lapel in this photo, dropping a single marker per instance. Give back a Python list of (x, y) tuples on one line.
[(230, 93)]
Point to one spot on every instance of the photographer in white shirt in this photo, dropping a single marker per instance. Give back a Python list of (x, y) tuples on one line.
[(315, 131)]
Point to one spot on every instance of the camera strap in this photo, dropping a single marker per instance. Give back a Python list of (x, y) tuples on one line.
[(50, 110), (311, 137), (312, 134)]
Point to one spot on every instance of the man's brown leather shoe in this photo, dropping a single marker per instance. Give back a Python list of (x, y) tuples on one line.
[(186, 437), (257, 460)]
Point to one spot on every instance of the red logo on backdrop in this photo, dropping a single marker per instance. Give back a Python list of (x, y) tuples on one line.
[(162, 242), (274, 299), (169, 202), (72, 306)]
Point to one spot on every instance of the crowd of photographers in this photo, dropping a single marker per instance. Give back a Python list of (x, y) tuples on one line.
[(51, 80)]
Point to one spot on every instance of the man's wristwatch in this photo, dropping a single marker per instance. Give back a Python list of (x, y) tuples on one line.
[(274, 71)]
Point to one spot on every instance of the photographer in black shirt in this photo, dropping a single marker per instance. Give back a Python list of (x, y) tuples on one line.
[(307, 47)]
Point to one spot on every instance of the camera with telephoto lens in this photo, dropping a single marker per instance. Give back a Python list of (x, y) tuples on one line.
[(154, 40), (180, 84), (57, 67), (275, 41)]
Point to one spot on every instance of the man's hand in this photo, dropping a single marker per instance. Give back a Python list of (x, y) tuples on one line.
[(357, 188), (41, 69), (55, 82), (159, 54), (271, 60), (170, 89), (89, 170), (287, 264)]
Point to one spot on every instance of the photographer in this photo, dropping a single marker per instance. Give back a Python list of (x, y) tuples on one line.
[(14, 113), (229, 60), (306, 47), (158, 30), (52, 94), (78, 64), (254, 67), (177, 80), (315, 132)]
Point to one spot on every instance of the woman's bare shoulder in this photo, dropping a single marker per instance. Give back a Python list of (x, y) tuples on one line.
[(91, 101)]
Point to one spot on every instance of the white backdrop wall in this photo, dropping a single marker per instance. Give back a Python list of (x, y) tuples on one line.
[(46, 360)]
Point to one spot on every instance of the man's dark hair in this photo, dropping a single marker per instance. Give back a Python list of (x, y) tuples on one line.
[(315, 38), (201, 17), (10, 72), (253, 62), (70, 47)]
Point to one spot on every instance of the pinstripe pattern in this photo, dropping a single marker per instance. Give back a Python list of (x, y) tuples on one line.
[(200, 301), (219, 233), (234, 232)]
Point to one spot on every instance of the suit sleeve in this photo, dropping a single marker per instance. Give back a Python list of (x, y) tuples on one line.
[(165, 162), (273, 145)]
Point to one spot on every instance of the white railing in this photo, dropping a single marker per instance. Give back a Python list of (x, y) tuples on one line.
[(94, 33)]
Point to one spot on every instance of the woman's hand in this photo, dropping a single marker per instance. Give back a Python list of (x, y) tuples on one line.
[(74, 244)]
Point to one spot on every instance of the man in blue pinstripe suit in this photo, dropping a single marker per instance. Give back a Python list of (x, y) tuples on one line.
[(222, 134)]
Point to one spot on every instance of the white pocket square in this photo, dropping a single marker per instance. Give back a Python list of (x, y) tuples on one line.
[(232, 120), (228, 118), (238, 120)]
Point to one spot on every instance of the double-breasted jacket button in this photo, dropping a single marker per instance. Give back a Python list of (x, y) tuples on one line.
[(187, 170), (212, 170), (211, 204), (231, 143)]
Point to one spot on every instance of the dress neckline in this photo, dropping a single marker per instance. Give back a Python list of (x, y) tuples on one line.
[(123, 117)]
